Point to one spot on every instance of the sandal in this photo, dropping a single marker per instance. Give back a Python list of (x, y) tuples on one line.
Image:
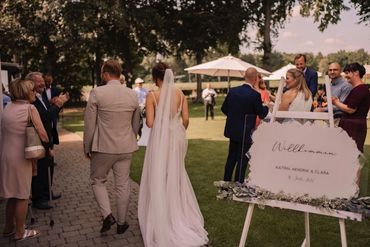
[(8, 234), (28, 234)]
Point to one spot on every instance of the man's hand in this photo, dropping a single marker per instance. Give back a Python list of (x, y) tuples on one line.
[(88, 156), (61, 99)]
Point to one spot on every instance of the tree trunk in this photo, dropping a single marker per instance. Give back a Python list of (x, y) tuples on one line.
[(126, 57), (266, 32), (97, 66), (199, 99)]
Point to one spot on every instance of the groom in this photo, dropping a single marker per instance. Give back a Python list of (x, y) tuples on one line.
[(241, 106), (111, 125)]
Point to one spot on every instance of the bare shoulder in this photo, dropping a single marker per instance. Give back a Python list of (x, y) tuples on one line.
[(289, 95)]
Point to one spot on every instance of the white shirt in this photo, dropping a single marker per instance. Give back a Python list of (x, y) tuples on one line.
[(206, 94), (48, 93), (141, 94)]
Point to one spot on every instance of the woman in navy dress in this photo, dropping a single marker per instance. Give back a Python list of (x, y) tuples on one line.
[(356, 106)]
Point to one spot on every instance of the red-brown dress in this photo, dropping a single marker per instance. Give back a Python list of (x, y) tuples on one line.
[(355, 124)]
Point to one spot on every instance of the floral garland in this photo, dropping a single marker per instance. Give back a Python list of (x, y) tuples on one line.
[(228, 189)]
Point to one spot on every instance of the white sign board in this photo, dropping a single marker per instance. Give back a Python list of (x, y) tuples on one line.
[(304, 159), (4, 78)]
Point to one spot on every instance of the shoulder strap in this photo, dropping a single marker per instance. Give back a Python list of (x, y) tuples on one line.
[(181, 99), (155, 101)]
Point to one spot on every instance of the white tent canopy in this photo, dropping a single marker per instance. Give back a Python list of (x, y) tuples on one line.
[(226, 66), (277, 74)]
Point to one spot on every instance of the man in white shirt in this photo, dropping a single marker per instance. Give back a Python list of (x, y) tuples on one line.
[(209, 95), (140, 92)]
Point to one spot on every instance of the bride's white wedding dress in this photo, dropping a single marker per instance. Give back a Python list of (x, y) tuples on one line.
[(168, 210)]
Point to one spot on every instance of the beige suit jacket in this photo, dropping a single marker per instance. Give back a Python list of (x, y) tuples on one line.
[(112, 119)]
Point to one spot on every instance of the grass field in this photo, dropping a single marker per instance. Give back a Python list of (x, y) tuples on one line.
[(224, 219)]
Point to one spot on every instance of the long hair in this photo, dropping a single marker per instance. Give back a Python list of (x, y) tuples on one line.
[(301, 82)]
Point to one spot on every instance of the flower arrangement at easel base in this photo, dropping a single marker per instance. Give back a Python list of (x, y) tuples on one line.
[(226, 190)]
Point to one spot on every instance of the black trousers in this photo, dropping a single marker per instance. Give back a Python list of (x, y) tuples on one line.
[(209, 108), (236, 157), (40, 183)]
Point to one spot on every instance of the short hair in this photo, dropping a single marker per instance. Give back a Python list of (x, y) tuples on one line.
[(299, 56), (112, 67), (30, 76), (20, 89), (159, 70), (353, 67)]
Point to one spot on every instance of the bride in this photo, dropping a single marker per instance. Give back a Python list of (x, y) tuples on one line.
[(168, 211)]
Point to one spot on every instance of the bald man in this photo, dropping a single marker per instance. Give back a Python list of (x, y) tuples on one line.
[(241, 106), (340, 88)]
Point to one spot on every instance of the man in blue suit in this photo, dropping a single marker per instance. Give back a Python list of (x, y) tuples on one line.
[(241, 106), (310, 75)]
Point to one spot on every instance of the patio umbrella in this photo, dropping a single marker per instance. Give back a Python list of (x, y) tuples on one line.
[(226, 66)]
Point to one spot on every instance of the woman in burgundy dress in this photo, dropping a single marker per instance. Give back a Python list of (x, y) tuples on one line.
[(356, 106)]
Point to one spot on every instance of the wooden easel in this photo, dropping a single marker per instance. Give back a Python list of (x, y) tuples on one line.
[(306, 209)]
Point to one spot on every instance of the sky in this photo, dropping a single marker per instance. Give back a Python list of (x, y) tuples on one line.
[(302, 35)]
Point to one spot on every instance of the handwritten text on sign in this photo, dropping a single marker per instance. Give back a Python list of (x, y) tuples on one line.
[(314, 160)]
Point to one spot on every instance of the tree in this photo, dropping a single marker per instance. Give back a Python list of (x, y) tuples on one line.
[(195, 27), (270, 16)]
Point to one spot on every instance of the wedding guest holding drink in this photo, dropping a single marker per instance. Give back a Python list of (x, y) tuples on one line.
[(355, 106), (15, 170)]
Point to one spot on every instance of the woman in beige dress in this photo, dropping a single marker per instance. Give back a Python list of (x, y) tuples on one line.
[(15, 170)]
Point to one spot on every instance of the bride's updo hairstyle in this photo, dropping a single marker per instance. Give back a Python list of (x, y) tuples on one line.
[(301, 82), (158, 71)]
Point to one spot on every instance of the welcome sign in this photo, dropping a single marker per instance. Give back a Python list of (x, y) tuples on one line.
[(304, 159)]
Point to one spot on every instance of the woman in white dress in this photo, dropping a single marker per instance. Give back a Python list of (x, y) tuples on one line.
[(298, 97), (168, 210)]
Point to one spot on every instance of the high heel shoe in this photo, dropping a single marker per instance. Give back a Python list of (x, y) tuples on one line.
[(28, 234)]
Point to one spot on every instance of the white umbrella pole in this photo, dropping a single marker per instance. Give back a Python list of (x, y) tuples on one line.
[(228, 81)]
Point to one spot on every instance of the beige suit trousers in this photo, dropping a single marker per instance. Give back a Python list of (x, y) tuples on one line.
[(101, 164)]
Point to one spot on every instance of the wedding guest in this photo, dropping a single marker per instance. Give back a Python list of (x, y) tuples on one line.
[(241, 106), (265, 94), (15, 170), (355, 106), (6, 98), (298, 97), (310, 75), (340, 88), (321, 98), (122, 79), (47, 111), (209, 95), (51, 92), (140, 91), (111, 126)]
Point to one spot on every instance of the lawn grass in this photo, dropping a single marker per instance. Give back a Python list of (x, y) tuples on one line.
[(224, 219)]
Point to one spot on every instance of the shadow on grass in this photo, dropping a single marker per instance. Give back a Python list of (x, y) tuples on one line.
[(270, 227)]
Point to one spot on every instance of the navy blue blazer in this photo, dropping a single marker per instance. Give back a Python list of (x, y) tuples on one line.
[(47, 116), (312, 80), (242, 105)]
